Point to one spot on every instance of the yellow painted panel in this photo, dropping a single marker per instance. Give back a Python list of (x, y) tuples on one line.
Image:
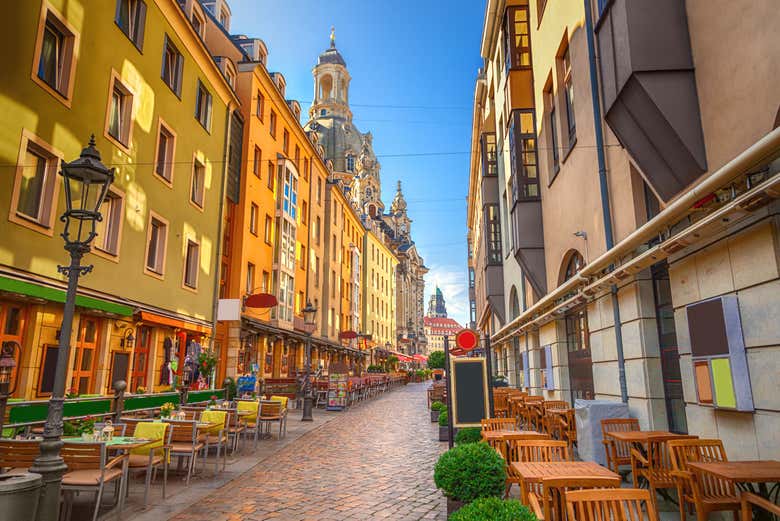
[(724, 386)]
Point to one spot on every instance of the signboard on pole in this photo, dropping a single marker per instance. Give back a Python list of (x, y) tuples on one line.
[(466, 339), (470, 402)]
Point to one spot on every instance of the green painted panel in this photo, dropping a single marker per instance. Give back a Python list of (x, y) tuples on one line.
[(204, 396), (56, 295), (150, 401), (36, 412), (723, 383)]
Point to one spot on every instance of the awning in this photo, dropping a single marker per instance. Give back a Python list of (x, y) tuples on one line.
[(420, 358), (31, 289), (154, 318)]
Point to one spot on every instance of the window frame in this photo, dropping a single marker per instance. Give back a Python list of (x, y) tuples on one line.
[(188, 242), (117, 218), (70, 43), (259, 105), (254, 214), (519, 149), (197, 164), (568, 96), (178, 66), (126, 125), (493, 240), (489, 160), (268, 230), (154, 216), (199, 92), (137, 39), (50, 190), (163, 127), (512, 50), (249, 281), (272, 123), (257, 162), (201, 18)]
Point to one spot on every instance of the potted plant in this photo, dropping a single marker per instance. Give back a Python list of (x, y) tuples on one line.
[(436, 408), (166, 409), (444, 417), (494, 509), (469, 471), (468, 435), (140, 390), (86, 428), (207, 362)]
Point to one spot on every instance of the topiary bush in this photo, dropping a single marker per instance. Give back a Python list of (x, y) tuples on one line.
[(493, 509), (437, 406), (443, 417), (470, 471), (468, 435), (436, 360)]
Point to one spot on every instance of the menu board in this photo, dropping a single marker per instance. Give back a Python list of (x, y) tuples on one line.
[(337, 391)]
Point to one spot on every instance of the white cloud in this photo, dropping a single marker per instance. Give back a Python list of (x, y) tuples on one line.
[(451, 279)]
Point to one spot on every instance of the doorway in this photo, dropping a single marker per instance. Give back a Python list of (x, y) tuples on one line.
[(85, 355), (580, 361)]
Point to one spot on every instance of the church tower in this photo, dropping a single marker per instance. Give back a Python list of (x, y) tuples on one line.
[(331, 84), (401, 221)]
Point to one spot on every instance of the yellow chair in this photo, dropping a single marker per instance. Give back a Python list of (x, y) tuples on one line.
[(250, 420), (216, 435), (282, 399), (153, 455)]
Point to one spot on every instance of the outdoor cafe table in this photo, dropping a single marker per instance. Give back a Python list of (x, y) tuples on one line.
[(745, 473), (645, 436), (533, 472)]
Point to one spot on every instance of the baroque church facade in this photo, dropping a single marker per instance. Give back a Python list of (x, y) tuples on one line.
[(356, 170)]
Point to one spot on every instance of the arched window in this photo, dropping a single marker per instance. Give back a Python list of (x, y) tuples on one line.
[(326, 87), (514, 303), (574, 265)]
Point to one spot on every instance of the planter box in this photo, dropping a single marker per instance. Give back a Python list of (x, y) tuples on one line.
[(444, 433), (453, 506), (435, 416)]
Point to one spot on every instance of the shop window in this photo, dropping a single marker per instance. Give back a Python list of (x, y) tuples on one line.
[(198, 184), (156, 245), (172, 64), (54, 58), (109, 229), (35, 187), (191, 263), (166, 143), (203, 106), (120, 109), (131, 19)]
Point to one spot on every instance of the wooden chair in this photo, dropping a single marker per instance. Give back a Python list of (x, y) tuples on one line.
[(89, 470), (543, 450), (498, 424), (511, 452), (186, 443), (548, 420), (625, 504), (655, 467), (547, 502), (235, 428), (748, 500), (16, 456), (153, 456), (563, 426), (618, 452), (271, 411), (704, 491), (532, 412), (500, 406)]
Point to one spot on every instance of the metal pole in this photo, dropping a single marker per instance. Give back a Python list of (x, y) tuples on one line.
[(307, 397), (488, 359), (448, 383), (49, 463)]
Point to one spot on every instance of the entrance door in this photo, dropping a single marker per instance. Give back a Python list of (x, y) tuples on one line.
[(670, 356), (84, 358), (11, 328), (141, 359), (580, 362)]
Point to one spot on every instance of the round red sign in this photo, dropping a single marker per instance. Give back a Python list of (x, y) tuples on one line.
[(467, 339)]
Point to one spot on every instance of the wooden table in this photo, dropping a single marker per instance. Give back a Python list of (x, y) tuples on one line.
[(746, 473), (645, 436), (534, 472), (502, 433)]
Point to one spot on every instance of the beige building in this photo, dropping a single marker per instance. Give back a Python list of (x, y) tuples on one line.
[(639, 193), (379, 264), (436, 328)]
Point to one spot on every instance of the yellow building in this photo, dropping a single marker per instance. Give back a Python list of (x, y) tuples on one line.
[(160, 111), (378, 311)]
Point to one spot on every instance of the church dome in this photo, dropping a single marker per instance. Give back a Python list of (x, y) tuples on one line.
[(331, 55)]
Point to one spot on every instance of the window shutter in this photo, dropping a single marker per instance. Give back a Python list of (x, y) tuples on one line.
[(526, 370), (208, 111), (141, 24), (179, 74), (549, 384)]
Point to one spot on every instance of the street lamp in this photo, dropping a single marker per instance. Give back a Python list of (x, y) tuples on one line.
[(86, 184), (7, 365), (309, 320)]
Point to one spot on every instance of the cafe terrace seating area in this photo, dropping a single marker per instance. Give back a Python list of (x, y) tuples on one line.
[(537, 439)]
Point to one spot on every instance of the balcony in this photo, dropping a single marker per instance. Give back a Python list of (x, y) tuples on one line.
[(649, 90)]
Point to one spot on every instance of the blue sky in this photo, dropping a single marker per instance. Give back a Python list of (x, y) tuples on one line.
[(413, 66)]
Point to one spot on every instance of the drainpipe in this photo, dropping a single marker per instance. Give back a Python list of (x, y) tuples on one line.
[(604, 188)]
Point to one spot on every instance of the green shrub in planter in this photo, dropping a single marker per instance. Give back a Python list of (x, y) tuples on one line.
[(437, 406), (443, 417), (494, 509), (468, 435), (470, 471)]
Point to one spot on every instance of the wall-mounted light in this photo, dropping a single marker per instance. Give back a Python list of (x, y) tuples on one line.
[(128, 339)]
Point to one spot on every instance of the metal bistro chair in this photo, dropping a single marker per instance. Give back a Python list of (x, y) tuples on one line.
[(89, 470), (251, 423), (617, 452), (152, 456), (218, 435), (625, 504), (549, 504), (271, 411), (186, 443)]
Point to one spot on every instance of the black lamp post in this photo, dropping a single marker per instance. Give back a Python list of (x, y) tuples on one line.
[(86, 184), (7, 365), (309, 316)]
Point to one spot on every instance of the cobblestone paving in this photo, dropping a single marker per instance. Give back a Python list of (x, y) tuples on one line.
[(375, 462)]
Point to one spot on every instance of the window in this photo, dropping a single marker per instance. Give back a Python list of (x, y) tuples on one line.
[(489, 162), (317, 225), (35, 186), (286, 142), (302, 260), (271, 175), (54, 59), (250, 278), (517, 38), (108, 229), (259, 105), (540, 5), (155, 246), (191, 262), (316, 269), (272, 124), (131, 18), (304, 213), (172, 64), (120, 107), (268, 230), (265, 285), (522, 149), (471, 278), (198, 23), (258, 161), (286, 296), (290, 194), (297, 161), (163, 164), (198, 185), (350, 162), (319, 190), (553, 134), (493, 234), (568, 94), (203, 106), (253, 215)]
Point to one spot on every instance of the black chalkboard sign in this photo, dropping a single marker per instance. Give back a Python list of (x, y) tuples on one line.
[(119, 368), (470, 393), (48, 369)]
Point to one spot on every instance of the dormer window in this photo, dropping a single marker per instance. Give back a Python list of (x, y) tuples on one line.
[(350, 162)]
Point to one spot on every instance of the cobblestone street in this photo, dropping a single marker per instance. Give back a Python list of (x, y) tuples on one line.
[(374, 462)]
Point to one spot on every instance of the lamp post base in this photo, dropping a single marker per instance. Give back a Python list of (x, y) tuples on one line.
[(307, 409)]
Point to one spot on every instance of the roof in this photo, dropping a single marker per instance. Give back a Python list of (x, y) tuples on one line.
[(331, 55), (441, 324)]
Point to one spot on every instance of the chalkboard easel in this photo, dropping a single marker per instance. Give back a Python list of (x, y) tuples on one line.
[(470, 402)]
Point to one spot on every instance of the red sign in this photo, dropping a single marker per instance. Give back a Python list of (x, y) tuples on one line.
[(467, 339), (261, 300), (347, 335)]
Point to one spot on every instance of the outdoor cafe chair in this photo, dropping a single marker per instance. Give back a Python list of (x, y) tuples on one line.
[(617, 452), (511, 452), (548, 501), (152, 456), (251, 423), (704, 491), (499, 424), (235, 428), (271, 411), (186, 443), (542, 450), (16, 456), (88, 470), (749, 500), (218, 435), (625, 504), (654, 466), (500, 406)]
